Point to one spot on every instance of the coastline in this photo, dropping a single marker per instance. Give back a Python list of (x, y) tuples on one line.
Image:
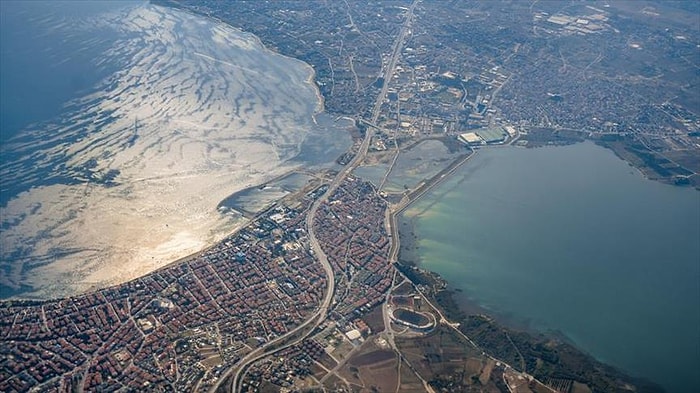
[(143, 266), (408, 256), (320, 106), (471, 318), (549, 355), (406, 253), (479, 323)]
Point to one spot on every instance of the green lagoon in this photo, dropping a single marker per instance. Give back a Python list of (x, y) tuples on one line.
[(574, 240)]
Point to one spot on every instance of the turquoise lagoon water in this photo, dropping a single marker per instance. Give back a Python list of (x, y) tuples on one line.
[(573, 239)]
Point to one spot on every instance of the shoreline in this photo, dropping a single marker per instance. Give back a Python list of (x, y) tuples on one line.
[(473, 317), (17, 298), (23, 292), (405, 242), (483, 326), (404, 251), (407, 255), (321, 103)]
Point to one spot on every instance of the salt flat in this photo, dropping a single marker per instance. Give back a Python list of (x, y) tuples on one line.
[(128, 178)]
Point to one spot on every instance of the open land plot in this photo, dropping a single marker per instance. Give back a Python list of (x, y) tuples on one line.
[(351, 375), (368, 347), (402, 301), (404, 289), (383, 377), (373, 173), (477, 366), (327, 361), (443, 356), (375, 320), (486, 370), (372, 367), (653, 165), (689, 159), (342, 350), (334, 384), (267, 387), (517, 382), (409, 382), (212, 361), (371, 358), (318, 371)]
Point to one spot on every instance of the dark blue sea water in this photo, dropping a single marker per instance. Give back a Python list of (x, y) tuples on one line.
[(48, 58), (574, 240)]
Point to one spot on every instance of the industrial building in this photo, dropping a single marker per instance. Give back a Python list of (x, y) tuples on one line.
[(470, 138), (492, 135)]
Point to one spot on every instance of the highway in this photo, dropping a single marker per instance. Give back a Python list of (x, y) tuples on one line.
[(316, 319), (320, 315)]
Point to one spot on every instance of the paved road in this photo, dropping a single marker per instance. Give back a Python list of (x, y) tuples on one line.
[(320, 315)]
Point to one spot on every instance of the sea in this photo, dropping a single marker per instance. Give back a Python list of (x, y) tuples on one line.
[(573, 241), (567, 239), (123, 125), (43, 68)]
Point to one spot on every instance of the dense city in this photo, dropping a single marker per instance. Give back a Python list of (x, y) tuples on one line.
[(311, 295)]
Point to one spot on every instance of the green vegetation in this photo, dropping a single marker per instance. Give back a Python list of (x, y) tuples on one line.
[(546, 358)]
